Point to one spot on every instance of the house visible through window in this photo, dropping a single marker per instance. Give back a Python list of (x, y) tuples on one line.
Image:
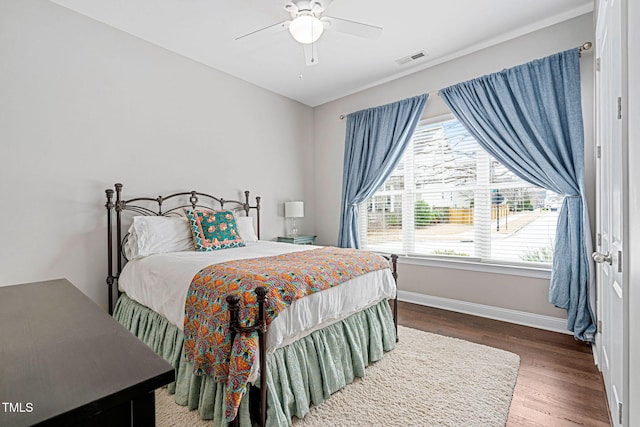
[(449, 197)]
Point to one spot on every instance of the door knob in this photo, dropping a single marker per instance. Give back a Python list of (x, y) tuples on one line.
[(600, 257)]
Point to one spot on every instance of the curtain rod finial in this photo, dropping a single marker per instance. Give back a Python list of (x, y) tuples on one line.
[(585, 46)]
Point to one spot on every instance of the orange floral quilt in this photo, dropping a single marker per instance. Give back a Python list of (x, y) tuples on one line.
[(288, 277)]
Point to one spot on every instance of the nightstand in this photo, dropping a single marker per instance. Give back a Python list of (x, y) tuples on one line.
[(298, 240)]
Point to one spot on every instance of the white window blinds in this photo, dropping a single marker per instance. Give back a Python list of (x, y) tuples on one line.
[(449, 198)]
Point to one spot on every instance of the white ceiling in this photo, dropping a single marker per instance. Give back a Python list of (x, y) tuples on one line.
[(205, 31)]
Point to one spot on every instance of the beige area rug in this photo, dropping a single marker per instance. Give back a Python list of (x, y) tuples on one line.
[(428, 380)]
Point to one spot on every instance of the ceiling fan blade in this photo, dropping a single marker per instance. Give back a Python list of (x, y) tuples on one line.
[(271, 29), (351, 27), (292, 8), (317, 8), (323, 3), (311, 53)]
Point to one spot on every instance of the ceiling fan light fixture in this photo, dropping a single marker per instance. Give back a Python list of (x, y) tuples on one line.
[(306, 28)]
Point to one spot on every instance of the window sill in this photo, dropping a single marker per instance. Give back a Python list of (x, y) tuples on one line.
[(484, 267)]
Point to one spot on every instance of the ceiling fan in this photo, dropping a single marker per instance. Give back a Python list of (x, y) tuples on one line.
[(307, 25)]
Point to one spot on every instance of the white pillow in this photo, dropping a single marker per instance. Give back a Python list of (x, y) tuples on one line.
[(245, 228), (150, 235)]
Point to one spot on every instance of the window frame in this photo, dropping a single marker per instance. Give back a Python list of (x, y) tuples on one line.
[(477, 264)]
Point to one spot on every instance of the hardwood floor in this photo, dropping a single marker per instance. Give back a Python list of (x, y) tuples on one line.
[(558, 383)]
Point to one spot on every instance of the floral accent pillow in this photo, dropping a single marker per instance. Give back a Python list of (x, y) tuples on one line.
[(213, 230)]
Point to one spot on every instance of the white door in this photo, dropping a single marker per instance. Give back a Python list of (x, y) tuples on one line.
[(610, 206)]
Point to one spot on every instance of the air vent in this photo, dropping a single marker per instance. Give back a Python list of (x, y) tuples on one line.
[(413, 57)]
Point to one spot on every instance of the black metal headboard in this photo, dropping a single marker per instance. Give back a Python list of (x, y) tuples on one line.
[(159, 206)]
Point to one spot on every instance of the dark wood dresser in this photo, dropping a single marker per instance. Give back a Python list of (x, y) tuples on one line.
[(65, 362)]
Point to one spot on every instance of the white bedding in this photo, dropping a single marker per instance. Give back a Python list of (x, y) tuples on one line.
[(161, 282)]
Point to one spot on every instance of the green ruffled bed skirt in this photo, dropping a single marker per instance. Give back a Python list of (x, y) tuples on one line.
[(303, 373)]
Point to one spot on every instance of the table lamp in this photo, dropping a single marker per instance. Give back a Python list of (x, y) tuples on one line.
[(294, 210)]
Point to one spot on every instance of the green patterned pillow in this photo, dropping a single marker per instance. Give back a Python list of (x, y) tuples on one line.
[(213, 230)]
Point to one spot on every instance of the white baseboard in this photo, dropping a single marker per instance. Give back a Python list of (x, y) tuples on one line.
[(539, 321)]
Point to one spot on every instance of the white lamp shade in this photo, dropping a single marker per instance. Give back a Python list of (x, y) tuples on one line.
[(294, 209), (306, 28)]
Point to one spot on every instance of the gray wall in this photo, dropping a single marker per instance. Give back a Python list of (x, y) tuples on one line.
[(499, 290), (83, 106)]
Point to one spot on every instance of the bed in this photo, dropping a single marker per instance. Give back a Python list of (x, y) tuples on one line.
[(283, 354)]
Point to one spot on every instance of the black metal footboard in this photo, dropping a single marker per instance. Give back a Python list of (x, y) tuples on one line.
[(260, 325)]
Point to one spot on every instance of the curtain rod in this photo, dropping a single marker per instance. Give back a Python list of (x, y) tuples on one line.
[(583, 47), (435, 92)]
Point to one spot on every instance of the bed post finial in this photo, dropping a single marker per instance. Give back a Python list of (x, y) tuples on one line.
[(246, 205), (261, 292), (233, 301)]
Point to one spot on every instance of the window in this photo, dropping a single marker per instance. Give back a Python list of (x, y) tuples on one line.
[(449, 198)]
